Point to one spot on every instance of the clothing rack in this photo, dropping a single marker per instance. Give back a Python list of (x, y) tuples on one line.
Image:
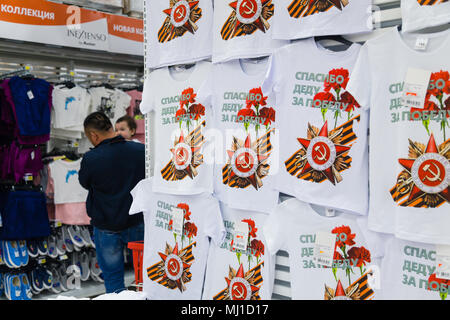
[(19, 72)]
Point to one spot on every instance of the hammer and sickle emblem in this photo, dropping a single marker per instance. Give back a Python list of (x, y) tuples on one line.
[(323, 155), (250, 9), (239, 294), (181, 156), (435, 174), (243, 162), (180, 12), (173, 267)]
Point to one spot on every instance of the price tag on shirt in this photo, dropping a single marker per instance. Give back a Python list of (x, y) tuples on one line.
[(415, 89), (421, 44), (240, 237), (443, 262), (30, 95), (177, 217), (324, 248)]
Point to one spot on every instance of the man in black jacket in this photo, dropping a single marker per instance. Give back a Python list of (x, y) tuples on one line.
[(109, 172)]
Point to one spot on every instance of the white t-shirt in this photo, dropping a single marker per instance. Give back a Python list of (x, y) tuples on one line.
[(408, 269), (183, 155), (407, 195), (178, 31), (324, 153), (174, 264), (294, 226), (67, 189), (420, 14), (245, 158), (243, 29), (234, 274), (70, 107), (112, 102), (295, 19)]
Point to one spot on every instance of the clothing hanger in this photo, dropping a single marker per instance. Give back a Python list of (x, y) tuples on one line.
[(337, 38)]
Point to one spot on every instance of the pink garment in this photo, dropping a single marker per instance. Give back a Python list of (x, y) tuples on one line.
[(133, 111), (67, 213)]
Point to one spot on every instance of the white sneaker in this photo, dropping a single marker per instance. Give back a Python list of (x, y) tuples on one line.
[(75, 235), (60, 246), (84, 262), (86, 236), (52, 251), (66, 238)]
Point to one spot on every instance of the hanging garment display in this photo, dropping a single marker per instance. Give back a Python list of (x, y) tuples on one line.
[(245, 151), (421, 14), (243, 29), (409, 147), (339, 268), (177, 239), (179, 31), (112, 102), (240, 269), (70, 107), (296, 19), (323, 129), (183, 156)]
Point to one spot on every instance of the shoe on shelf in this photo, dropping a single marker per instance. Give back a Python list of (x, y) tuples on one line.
[(62, 273), (42, 246), (56, 282), (52, 252), (84, 263), (32, 248), (60, 246), (12, 254), (46, 277), (14, 287), (5, 257), (26, 288), (2, 287), (23, 249), (5, 279), (36, 281), (67, 241), (86, 236), (94, 267), (75, 235)]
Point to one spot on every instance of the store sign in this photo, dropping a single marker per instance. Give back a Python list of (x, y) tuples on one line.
[(58, 24)]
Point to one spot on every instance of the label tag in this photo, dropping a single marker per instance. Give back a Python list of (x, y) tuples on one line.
[(28, 177), (330, 212), (178, 215), (421, 44), (416, 86), (30, 95), (324, 248), (443, 262), (58, 224), (240, 235)]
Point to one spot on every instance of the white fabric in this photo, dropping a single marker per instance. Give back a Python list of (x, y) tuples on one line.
[(123, 295), (296, 82), (70, 107), (227, 91), (163, 90), (416, 16), (222, 257), (113, 102), (231, 42), (65, 178), (293, 227), (158, 210), (355, 17), (406, 269), (187, 48), (377, 82)]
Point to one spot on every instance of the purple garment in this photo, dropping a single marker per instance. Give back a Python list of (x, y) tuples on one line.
[(7, 122), (32, 116), (25, 161)]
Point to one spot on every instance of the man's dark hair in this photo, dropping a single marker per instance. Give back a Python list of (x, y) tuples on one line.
[(131, 123), (97, 121)]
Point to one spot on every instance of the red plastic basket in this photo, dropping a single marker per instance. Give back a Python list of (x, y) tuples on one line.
[(138, 252)]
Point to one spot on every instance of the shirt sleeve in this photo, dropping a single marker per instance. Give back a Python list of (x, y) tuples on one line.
[(376, 241), (360, 84), (214, 227), (273, 230), (139, 195), (84, 174), (147, 103), (205, 93), (273, 76)]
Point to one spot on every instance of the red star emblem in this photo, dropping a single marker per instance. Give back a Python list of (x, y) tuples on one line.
[(175, 266), (249, 10), (322, 154), (182, 154), (180, 12), (239, 287), (429, 172)]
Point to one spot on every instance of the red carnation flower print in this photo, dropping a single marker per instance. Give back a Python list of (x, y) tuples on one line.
[(361, 254), (246, 113), (434, 278), (252, 227), (256, 98), (268, 114), (197, 110), (180, 112), (344, 236), (324, 96), (337, 79), (190, 229), (440, 83), (347, 97), (257, 247), (187, 96), (185, 207), (337, 256), (170, 225)]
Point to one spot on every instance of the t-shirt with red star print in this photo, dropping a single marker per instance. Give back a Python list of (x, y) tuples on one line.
[(235, 273), (183, 158), (323, 156), (243, 29), (178, 233), (409, 142), (295, 19), (178, 31), (246, 152), (421, 14)]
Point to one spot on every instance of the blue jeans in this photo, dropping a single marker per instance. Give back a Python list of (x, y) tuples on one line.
[(110, 248)]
